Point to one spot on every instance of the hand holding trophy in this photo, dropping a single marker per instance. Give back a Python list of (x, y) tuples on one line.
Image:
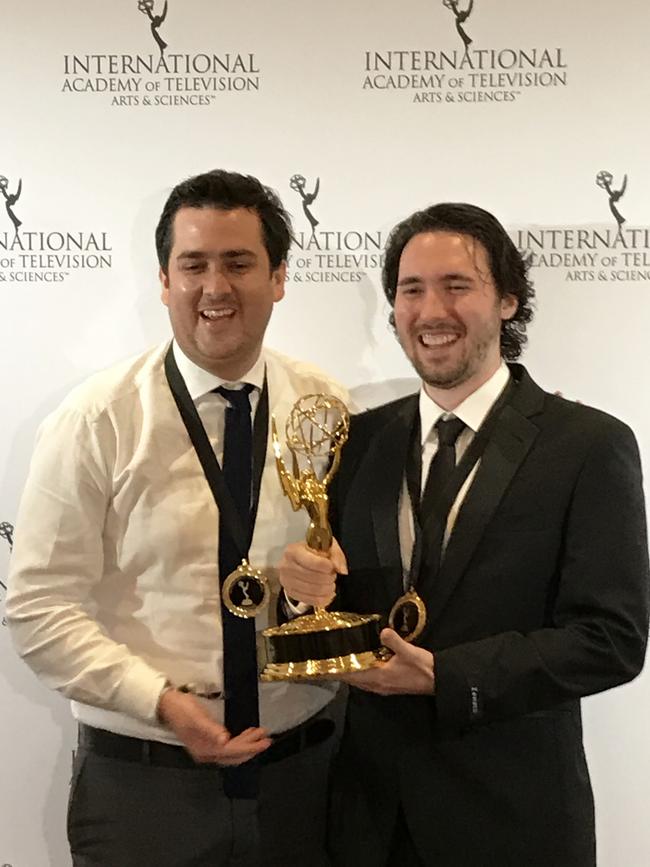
[(322, 644)]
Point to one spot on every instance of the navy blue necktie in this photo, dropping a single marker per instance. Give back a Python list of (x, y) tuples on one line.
[(239, 651)]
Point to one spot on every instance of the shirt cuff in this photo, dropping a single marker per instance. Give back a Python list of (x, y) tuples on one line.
[(293, 608), (139, 692)]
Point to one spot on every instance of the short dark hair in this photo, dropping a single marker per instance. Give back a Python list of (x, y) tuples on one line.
[(226, 191), (508, 266)]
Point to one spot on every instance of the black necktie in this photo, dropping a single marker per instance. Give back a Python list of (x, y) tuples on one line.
[(239, 652), (441, 468)]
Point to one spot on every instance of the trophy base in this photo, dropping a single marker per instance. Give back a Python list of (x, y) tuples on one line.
[(314, 669), (322, 645)]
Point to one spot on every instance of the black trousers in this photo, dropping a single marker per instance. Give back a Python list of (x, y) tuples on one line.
[(132, 814)]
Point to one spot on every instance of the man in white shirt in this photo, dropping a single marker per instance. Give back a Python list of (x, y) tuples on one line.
[(125, 538), (518, 520)]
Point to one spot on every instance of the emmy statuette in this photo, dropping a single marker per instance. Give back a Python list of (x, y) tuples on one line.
[(324, 643)]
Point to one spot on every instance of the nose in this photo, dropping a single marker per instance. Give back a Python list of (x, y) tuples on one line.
[(216, 281), (434, 303)]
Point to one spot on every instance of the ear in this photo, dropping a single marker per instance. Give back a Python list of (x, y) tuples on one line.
[(509, 306), (164, 287), (278, 278)]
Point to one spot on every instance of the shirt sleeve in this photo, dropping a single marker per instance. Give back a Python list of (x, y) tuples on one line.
[(57, 565)]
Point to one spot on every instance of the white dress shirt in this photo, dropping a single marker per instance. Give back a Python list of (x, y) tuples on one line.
[(114, 581), (211, 407), (472, 411)]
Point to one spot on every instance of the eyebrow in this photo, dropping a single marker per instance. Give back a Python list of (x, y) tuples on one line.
[(409, 281), (227, 254), (453, 275), (191, 254), (236, 254), (463, 278)]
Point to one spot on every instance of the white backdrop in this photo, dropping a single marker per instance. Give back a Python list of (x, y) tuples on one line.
[(383, 106)]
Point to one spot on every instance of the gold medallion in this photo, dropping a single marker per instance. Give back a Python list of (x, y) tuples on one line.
[(245, 591), (408, 616)]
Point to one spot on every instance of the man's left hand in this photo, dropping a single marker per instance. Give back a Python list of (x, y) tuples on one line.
[(408, 672)]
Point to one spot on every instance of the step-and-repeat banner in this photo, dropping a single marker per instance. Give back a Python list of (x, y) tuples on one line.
[(357, 113)]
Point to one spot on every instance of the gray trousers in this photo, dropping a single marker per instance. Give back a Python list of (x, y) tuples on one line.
[(129, 814)]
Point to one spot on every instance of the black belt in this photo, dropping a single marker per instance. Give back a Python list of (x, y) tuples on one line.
[(114, 746)]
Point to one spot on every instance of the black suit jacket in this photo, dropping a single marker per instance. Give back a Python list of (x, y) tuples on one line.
[(542, 598)]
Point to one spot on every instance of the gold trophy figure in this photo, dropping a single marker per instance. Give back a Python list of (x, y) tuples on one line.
[(325, 643)]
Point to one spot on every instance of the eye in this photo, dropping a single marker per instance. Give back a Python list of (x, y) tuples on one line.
[(410, 291)]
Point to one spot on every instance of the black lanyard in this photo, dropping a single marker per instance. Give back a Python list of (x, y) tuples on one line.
[(440, 502), (228, 514)]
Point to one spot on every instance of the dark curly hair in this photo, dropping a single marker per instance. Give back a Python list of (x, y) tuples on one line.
[(508, 266), (226, 191)]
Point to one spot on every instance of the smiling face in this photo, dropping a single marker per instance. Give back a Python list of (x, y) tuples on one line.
[(219, 288), (448, 314)]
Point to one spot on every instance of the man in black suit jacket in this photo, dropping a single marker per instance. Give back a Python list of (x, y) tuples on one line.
[(465, 748)]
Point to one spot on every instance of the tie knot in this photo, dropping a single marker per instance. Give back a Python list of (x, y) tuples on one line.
[(237, 397), (449, 430)]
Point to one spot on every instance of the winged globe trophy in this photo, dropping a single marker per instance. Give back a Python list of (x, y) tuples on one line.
[(323, 643)]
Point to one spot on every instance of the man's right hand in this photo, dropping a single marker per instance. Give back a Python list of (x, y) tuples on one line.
[(309, 576), (204, 739)]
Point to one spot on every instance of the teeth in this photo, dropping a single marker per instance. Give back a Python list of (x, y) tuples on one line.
[(216, 314), (437, 339)]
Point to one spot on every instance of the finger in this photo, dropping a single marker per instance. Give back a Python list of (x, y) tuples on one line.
[(253, 733), (290, 553), (222, 738), (203, 745), (299, 588), (313, 601), (298, 556), (390, 639), (232, 761), (338, 558), (370, 676), (250, 739), (315, 581), (367, 681), (241, 749), (306, 558), (228, 757)]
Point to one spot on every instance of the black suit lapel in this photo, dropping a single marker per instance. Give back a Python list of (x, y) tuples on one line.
[(387, 462), (510, 442)]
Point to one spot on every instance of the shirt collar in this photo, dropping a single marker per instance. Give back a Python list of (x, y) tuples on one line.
[(200, 381), (472, 411)]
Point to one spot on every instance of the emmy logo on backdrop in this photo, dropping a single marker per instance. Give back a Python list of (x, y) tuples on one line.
[(6, 533), (461, 17), (297, 184), (146, 7), (10, 200), (604, 181)]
